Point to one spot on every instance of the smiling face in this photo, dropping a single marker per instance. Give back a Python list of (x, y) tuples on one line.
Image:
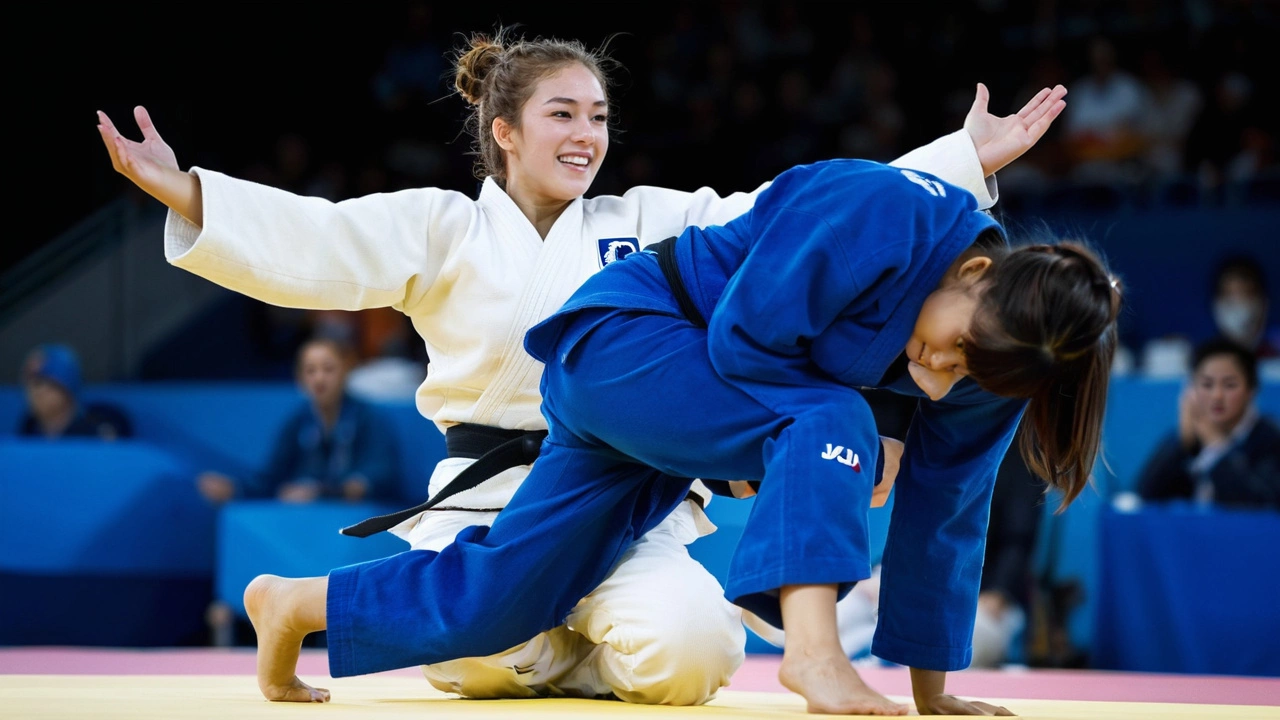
[(1221, 391), (554, 155)]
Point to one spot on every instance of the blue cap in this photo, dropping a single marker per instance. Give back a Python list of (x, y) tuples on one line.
[(57, 363)]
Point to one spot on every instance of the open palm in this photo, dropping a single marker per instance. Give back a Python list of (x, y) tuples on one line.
[(1001, 140), (145, 163)]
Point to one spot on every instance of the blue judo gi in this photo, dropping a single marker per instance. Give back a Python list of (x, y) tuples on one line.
[(809, 296)]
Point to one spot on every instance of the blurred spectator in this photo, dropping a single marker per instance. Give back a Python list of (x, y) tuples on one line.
[(1240, 306), (1224, 451), (51, 379), (1173, 104), (1047, 162), (334, 446), (412, 71), (1102, 119), (1216, 146), (392, 361)]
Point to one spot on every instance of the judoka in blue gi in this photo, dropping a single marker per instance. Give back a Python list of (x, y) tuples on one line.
[(735, 353)]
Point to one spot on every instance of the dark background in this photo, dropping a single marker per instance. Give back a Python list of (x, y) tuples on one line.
[(224, 82)]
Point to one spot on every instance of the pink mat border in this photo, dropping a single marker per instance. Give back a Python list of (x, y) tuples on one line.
[(759, 674)]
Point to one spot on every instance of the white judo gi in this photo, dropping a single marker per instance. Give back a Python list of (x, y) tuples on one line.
[(473, 275)]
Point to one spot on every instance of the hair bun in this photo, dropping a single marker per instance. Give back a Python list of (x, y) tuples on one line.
[(474, 66)]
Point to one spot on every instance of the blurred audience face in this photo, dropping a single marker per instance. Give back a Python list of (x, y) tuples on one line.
[(1102, 58), (1240, 308), (1222, 392), (322, 373), (47, 400), (554, 155)]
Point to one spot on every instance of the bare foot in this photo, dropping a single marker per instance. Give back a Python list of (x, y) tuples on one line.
[(832, 686), (278, 609)]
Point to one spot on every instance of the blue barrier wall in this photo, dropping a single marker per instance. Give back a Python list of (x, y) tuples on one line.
[(127, 512)]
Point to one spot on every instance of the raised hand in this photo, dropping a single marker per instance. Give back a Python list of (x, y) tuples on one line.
[(1001, 140), (138, 161), (151, 165)]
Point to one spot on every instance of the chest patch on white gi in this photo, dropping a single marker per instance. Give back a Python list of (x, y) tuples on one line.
[(613, 249), (842, 455)]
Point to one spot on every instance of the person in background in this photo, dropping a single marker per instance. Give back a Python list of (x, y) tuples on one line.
[(51, 380), (1224, 451), (334, 446), (1240, 306)]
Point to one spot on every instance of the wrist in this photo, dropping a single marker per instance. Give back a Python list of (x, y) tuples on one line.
[(925, 686)]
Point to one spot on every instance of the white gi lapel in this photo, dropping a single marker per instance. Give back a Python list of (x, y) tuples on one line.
[(561, 266)]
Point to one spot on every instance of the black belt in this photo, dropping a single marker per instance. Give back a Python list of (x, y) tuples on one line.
[(495, 450), (666, 252)]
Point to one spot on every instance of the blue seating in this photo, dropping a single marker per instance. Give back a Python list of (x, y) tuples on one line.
[(103, 544), (126, 515)]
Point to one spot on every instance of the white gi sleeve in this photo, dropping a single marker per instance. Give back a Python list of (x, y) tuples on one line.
[(308, 252)]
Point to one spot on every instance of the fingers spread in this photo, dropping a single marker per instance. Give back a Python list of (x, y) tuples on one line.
[(141, 115), (1041, 126), (1033, 103), (104, 121)]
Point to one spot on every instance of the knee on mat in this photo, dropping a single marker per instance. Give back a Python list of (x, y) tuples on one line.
[(684, 666), (478, 678)]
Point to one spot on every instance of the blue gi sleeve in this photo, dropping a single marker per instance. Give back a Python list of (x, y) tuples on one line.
[(932, 563)]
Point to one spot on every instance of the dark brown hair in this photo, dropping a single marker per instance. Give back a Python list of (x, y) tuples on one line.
[(341, 349), (1045, 330), (1244, 357), (497, 74)]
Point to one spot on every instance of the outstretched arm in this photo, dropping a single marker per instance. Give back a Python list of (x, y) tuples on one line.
[(152, 166), (1001, 140)]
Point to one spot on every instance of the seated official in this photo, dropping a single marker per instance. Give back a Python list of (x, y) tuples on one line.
[(1224, 451), (51, 381), (334, 446)]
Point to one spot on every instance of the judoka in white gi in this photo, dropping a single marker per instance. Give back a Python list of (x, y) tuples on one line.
[(473, 275)]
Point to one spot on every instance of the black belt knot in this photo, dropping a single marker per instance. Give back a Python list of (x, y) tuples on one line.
[(494, 449)]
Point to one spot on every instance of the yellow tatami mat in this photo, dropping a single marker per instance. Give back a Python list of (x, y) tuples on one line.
[(234, 697)]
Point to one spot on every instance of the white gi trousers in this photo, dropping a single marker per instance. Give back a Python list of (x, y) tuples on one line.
[(657, 631)]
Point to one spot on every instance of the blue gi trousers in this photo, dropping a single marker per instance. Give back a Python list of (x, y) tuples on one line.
[(635, 410)]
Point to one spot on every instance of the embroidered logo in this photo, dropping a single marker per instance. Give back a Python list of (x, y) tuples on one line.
[(934, 187), (842, 455), (613, 249)]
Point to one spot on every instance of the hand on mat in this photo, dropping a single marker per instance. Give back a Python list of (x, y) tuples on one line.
[(952, 705), (892, 450), (1001, 140)]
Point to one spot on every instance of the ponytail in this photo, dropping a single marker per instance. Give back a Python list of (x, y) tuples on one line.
[(1045, 330)]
